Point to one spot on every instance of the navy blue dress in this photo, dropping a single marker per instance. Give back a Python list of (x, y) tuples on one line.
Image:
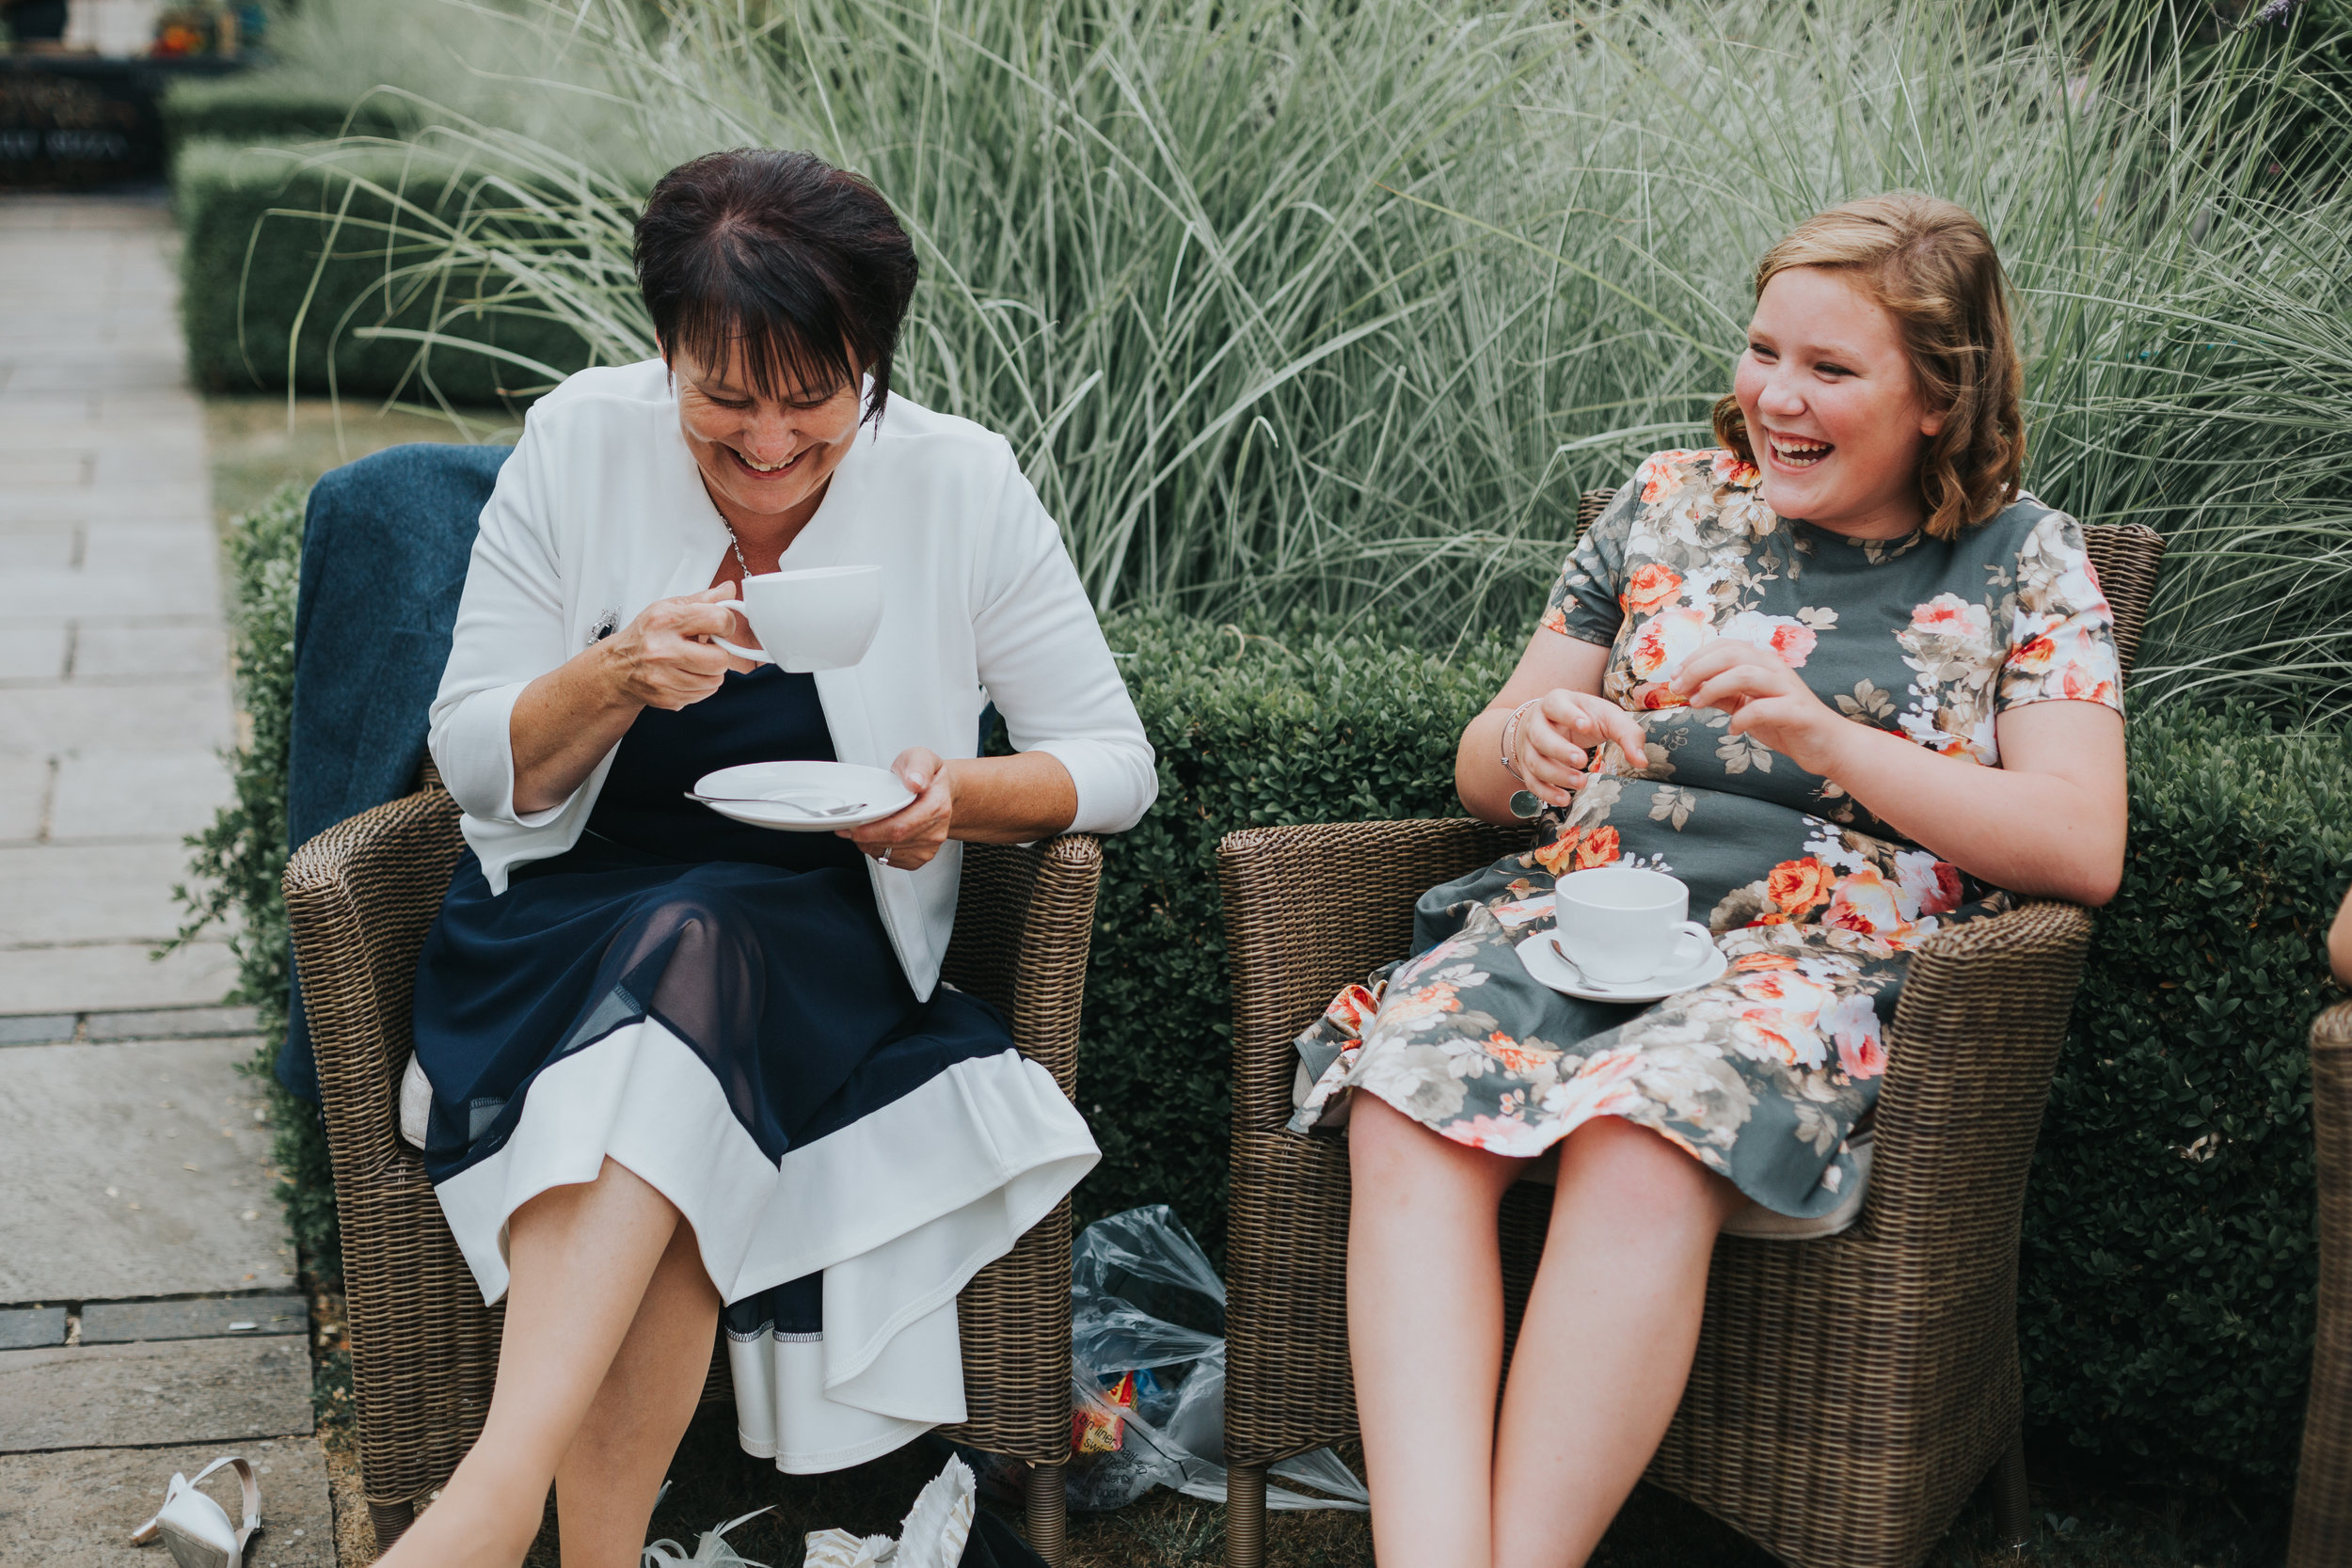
[(761, 951)]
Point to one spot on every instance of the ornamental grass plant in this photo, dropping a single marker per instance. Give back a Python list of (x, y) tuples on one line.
[(1303, 304)]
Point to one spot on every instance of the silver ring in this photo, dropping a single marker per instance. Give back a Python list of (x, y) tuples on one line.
[(885, 859)]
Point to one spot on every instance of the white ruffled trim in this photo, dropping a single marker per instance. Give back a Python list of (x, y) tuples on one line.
[(897, 1210)]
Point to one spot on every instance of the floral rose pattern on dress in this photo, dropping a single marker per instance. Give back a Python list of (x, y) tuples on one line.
[(1761, 1075)]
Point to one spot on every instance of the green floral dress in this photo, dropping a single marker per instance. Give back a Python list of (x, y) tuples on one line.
[(1762, 1074)]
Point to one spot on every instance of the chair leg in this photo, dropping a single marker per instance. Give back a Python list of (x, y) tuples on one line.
[(2014, 1515), (392, 1521), (1245, 1516), (1048, 1508)]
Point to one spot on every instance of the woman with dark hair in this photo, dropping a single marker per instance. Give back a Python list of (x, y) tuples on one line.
[(671, 1066), (1848, 684)]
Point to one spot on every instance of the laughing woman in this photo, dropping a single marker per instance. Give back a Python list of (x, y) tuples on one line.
[(1849, 684), (680, 1067)]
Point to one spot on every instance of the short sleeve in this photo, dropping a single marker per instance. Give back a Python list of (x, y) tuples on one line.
[(2061, 640), (1585, 602)]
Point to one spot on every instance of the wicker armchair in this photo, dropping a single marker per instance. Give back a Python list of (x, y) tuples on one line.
[(2323, 1494), (424, 1350), (1848, 1392)]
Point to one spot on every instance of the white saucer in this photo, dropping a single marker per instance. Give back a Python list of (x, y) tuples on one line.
[(1544, 962), (876, 790)]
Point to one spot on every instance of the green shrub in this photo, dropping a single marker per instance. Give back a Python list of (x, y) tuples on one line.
[(267, 106), (2166, 1303), (2171, 1255), (1251, 731), (240, 856), (286, 250)]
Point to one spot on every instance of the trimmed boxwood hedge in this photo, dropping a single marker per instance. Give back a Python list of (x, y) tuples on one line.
[(267, 106), (2169, 1260), (2170, 1251), (240, 299)]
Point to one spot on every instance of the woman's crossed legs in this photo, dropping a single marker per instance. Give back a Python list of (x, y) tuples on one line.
[(1603, 1351), (609, 1318)]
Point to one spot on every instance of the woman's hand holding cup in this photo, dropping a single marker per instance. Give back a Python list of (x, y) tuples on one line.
[(1558, 735), (664, 660)]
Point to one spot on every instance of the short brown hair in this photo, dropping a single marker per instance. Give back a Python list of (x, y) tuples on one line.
[(1933, 267), (800, 264)]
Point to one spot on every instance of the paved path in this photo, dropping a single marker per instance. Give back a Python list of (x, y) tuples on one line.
[(146, 1321), (114, 690)]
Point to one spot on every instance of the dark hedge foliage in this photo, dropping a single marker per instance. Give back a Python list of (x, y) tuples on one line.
[(267, 106), (2170, 1255), (1252, 731), (241, 298), (2166, 1301), (239, 859)]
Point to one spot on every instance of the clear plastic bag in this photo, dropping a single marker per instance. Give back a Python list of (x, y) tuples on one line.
[(1144, 1300)]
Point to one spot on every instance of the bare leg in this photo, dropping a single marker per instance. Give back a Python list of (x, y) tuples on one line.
[(1425, 1307), (581, 1259), (606, 1486), (1606, 1347)]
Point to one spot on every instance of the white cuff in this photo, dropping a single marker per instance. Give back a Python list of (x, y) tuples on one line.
[(1115, 786), (475, 753)]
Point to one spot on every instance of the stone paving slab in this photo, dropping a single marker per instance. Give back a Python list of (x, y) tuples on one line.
[(169, 1024), (32, 1327), (149, 648), (80, 893), (42, 721), (32, 653), (79, 593), (39, 1028), (123, 1323), (113, 794), (178, 1391), (24, 797), (135, 1170), (55, 979), (78, 1510)]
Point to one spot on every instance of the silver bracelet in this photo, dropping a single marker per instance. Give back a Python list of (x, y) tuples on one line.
[(1524, 803)]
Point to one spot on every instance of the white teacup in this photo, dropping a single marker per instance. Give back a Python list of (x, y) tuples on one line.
[(823, 618), (1619, 922)]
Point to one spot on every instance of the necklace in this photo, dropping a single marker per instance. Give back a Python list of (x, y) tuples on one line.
[(737, 544)]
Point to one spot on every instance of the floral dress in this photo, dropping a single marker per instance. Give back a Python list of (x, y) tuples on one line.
[(1763, 1073)]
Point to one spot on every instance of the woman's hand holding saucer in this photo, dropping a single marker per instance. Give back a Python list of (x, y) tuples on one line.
[(908, 838), (664, 660), (1558, 735), (1766, 700)]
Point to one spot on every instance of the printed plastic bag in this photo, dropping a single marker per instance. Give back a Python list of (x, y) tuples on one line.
[(1148, 1373)]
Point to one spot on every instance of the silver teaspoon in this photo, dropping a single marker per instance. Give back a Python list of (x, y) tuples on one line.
[(803, 803)]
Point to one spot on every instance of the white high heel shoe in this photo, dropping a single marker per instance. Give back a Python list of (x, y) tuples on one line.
[(196, 1527)]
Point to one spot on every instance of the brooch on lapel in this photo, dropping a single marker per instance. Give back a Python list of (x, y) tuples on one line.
[(606, 624)]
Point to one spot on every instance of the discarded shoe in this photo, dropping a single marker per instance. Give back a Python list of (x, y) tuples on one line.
[(932, 1535), (710, 1551), (196, 1529)]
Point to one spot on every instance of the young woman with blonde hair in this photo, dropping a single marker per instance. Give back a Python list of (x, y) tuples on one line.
[(1849, 685)]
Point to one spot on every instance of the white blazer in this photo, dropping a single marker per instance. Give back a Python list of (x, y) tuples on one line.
[(601, 511)]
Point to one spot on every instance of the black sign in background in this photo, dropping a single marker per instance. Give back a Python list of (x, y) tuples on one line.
[(69, 121)]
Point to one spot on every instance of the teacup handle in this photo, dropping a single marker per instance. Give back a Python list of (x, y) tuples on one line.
[(757, 656), (1691, 940)]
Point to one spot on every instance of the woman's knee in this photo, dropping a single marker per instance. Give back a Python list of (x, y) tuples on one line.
[(1641, 1175), (1389, 1151)]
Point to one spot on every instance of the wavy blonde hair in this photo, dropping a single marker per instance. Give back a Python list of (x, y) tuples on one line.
[(1933, 267)]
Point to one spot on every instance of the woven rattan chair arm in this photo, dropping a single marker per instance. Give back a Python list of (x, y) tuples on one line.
[(2323, 1494), (359, 898), (1313, 908), (2128, 557), (1974, 1041), (1025, 924)]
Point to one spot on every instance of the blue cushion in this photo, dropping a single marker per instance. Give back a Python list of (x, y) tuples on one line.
[(385, 545)]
